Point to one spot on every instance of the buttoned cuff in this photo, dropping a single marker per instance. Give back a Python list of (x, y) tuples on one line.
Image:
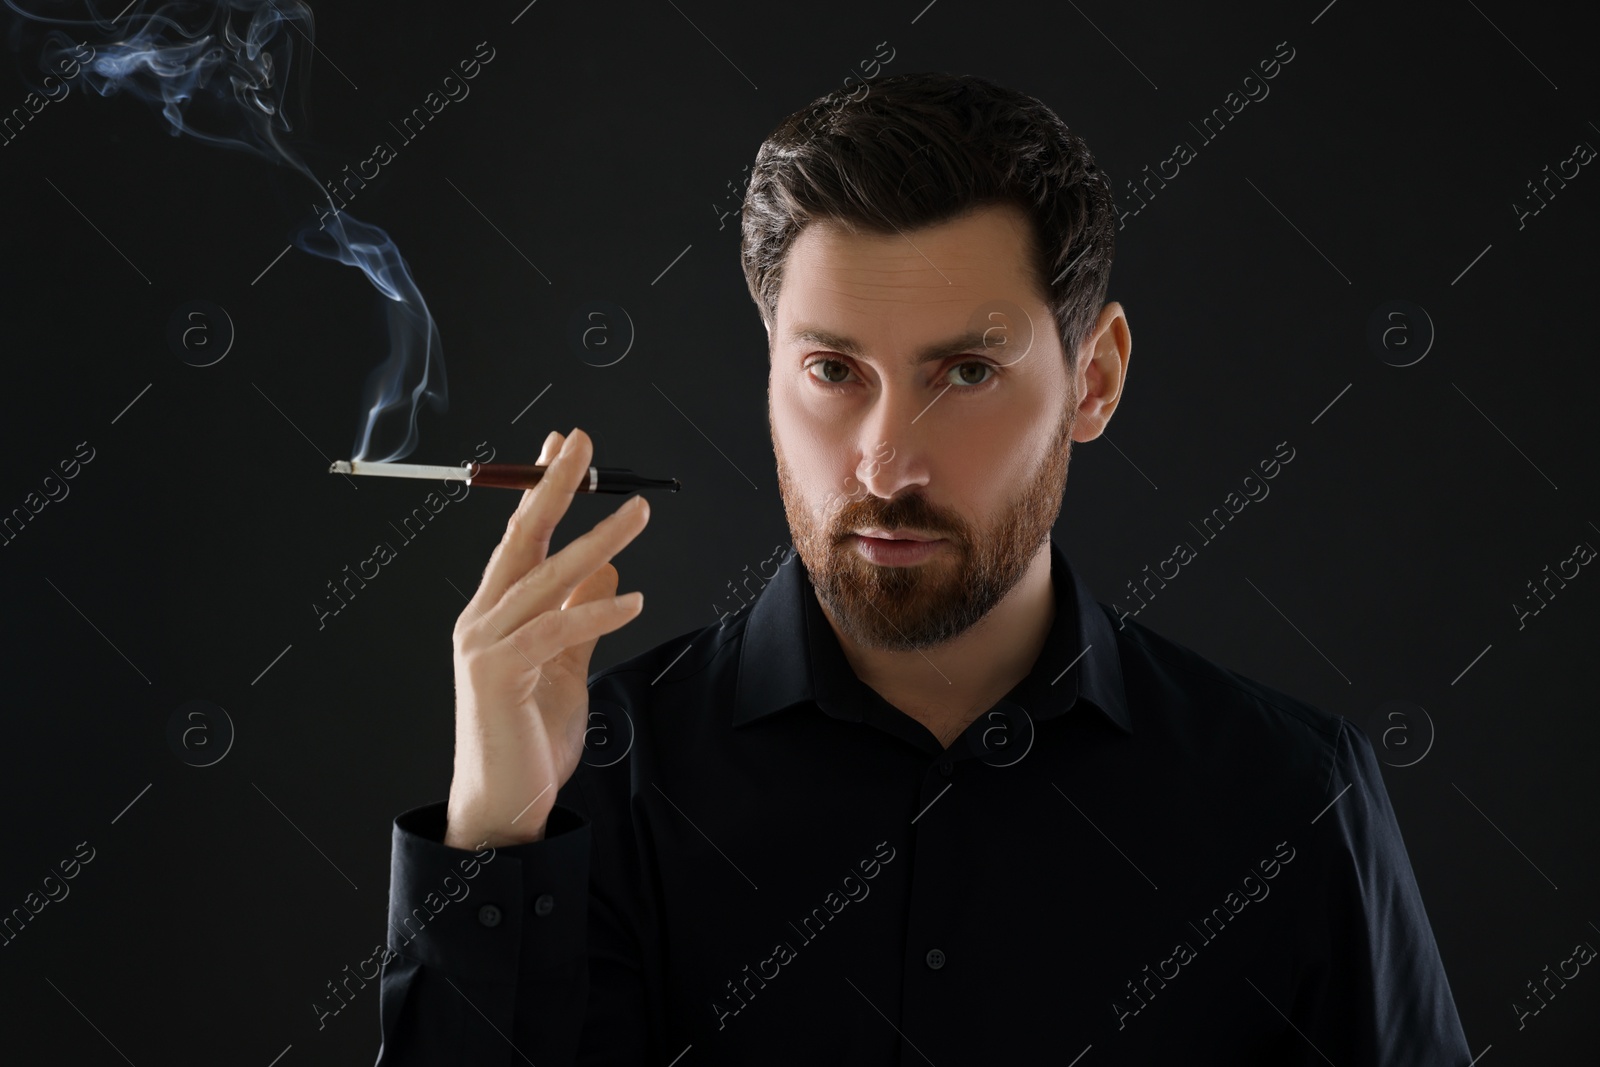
[(493, 914)]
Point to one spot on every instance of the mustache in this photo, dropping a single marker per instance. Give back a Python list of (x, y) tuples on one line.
[(911, 512)]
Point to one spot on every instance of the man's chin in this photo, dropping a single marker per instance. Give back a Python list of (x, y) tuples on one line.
[(893, 607), (892, 630)]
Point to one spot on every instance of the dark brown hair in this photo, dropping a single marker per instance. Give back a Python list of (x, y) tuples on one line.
[(924, 148)]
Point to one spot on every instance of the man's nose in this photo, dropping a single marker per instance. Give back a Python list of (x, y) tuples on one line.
[(893, 443)]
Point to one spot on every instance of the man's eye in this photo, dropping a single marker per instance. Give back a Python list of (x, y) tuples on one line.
[(831, 363), (962, 379), (960, 375)]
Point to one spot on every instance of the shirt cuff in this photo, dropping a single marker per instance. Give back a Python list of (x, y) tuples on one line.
[(490, 914)]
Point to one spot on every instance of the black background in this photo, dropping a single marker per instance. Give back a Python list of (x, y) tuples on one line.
[(596, 145)]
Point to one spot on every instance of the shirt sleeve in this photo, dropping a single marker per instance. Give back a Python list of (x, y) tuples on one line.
[(489, 953), (1374, 992)]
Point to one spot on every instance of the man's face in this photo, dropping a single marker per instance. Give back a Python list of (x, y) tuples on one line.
[(970, 447)]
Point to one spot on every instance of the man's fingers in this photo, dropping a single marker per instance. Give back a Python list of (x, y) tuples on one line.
[(600, 585), (571, 631), (541, 588), (481, 600), (531, 525)]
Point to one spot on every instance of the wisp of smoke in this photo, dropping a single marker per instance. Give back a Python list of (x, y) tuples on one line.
[(220, 70)]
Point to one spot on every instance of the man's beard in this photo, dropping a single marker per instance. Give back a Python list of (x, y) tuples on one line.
[(901, 609)]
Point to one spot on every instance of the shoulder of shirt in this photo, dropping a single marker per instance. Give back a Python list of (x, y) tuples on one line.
[(1202, 677)]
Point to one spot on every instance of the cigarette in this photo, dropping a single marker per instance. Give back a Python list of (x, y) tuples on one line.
[(508, 475)]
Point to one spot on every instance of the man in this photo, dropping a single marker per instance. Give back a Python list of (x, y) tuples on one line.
[(925, 799)]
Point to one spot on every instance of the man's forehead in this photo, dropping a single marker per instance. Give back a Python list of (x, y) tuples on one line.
[(943, 272)]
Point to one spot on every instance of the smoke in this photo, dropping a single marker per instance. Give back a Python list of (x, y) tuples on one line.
[(220, 71)]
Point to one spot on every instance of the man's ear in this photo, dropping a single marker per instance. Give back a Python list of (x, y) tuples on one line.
[(1102, 371)]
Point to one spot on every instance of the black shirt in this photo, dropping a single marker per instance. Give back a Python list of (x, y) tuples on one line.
[(1135, 857)]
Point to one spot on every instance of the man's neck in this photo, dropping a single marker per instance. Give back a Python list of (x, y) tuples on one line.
[(946, 686)]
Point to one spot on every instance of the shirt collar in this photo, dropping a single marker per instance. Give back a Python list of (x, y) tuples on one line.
[(790, 654)]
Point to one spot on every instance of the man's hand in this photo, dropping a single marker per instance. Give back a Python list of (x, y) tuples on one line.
[(522, 649)]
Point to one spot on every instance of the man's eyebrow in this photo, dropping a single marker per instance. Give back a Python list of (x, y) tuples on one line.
[(975, 340)]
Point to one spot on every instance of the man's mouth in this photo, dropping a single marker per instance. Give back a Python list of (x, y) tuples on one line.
[(902, 551), (895, 535)]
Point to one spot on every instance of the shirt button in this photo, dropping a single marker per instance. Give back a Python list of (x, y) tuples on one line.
[(489, 915), (543, 905), (935, 958), (944, 768)]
